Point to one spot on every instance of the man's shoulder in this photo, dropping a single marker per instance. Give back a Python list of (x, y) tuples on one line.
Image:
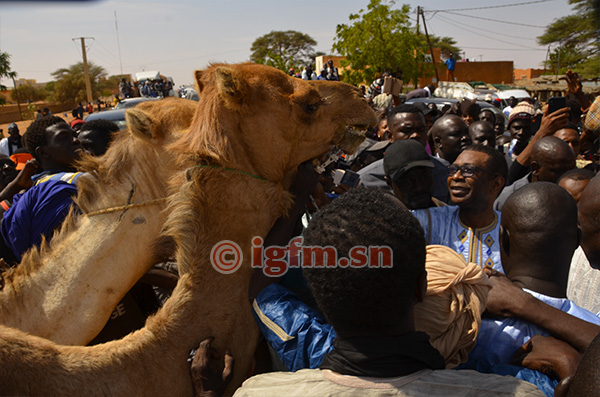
[(438, 212), (282, 383), (324, 383), (487, 384)]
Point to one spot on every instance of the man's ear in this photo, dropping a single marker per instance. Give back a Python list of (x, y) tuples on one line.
[(498, 184), (535, 168), (421, 286), (40, 153), (437, 141)]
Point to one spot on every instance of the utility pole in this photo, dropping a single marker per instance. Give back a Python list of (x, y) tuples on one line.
[(418, 13), (86, 71), (437, 77)]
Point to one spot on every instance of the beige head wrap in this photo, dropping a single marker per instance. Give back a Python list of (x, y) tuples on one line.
[(451, 311)]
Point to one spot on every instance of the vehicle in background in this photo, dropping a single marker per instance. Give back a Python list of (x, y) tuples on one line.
[(519, 94), (131, 102), (117, 116), (441, 102)]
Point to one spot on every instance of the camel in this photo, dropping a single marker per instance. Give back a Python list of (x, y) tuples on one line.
[(254, 125), (66, 290)]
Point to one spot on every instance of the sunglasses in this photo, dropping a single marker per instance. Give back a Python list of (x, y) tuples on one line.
[(466, 170)]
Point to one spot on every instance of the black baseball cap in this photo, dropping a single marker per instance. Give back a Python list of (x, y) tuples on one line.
[(404, 155)]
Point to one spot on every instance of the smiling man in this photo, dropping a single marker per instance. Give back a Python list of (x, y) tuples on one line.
[(471, 228)]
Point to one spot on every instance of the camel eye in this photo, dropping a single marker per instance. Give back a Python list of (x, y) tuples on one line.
[(311, 108)]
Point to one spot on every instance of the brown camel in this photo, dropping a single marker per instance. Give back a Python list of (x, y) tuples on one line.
[(66, 290), (253, 127)]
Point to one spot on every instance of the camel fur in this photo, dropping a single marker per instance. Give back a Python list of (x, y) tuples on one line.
[(66, 290), (252, 121)]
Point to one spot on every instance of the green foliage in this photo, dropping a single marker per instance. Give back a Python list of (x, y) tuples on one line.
[(29, 93), (5, 71), (70, 83), (377, 40), (575, 38), (284, 50), (109, 86), (446, 44)]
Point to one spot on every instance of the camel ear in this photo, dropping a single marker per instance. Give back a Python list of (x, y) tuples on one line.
[(140, 125), (198, 76), (229, 85)]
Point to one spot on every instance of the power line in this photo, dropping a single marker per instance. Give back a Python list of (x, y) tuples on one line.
[(497, 20), (503, 34), (488, 7), (500, 49), (480, 34)]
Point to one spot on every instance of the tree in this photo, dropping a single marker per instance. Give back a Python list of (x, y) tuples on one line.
[(575, 40), (379, 39), (447, 45), (284, 50), (70, 82), (29, 93), (5, 71)]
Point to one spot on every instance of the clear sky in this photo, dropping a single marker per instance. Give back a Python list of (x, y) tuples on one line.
[(178, 36)]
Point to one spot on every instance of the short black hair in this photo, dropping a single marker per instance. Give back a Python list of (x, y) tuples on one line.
[(405, 108), (577, 174), (366, 300), (104, 126), (495, 162), (35, 135)]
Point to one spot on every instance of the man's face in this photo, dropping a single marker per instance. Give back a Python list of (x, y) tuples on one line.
[(453, 138), (571, 137), (521, 131), (499, 126), (482, 133), (512, 102), (475, 190), (14, 132), (408, 126), (415, 188), (487, 115), (383, 130), (62, 145)]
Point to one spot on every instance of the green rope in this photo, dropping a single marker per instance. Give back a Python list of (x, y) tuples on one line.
[(230, 169)]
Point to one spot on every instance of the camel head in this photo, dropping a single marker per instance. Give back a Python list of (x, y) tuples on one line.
[(257, 119)]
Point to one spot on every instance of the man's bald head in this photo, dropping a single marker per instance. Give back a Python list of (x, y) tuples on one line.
[(589, 221), (539, 232), (451, 136), (550, 158)]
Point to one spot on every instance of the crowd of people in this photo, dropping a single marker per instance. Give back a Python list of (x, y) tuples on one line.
[(495, 276), (508, 201), (150, 88)]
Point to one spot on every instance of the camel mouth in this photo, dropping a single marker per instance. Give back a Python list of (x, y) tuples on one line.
[(350, 138)]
